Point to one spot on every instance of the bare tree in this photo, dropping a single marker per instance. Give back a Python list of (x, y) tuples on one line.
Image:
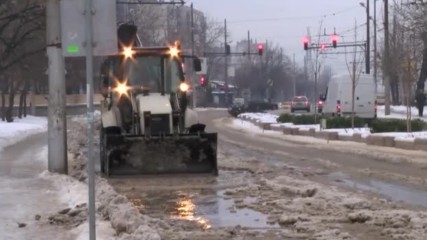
[(21, 23), (272, 72), (410, 22), (354, 70)]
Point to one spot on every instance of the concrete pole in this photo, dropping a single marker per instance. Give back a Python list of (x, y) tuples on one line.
[(368, 39), (89, 92), (226, 64), (386, 60), (57, 124), (375, 48)]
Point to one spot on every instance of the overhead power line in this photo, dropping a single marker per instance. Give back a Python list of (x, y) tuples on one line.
[(290, 18)]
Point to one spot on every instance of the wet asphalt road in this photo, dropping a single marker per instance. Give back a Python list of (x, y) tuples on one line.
[(350, 170)]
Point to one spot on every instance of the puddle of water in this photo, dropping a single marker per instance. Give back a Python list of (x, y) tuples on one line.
[(209, 210), (244, 217), (393, 192)]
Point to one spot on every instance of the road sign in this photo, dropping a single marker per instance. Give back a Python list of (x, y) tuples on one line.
[(73, 27)]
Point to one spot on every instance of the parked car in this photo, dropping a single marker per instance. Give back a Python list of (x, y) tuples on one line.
[(300, 103)]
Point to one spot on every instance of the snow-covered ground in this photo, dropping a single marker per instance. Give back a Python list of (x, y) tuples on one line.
[(399, 112), (272, 119), (11, 133), (200, 109), (62, 190)]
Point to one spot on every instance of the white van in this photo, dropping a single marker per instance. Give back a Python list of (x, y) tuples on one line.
[(337, 98)]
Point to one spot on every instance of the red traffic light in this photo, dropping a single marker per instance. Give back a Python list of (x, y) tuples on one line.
[(322, 46), (334, 40), (260, 49), (306, 41), (202, 81)]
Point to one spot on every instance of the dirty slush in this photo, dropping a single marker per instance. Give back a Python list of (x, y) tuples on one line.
[(249, 200)]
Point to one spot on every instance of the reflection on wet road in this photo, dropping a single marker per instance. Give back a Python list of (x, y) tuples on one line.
[(207, 208)]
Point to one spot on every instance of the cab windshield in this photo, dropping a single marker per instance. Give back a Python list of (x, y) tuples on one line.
[(150, 72)]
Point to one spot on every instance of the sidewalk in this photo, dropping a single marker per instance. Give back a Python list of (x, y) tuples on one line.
[(26, 197), (29, 195)]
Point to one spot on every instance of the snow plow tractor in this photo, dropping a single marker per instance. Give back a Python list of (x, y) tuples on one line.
[(147, 124)]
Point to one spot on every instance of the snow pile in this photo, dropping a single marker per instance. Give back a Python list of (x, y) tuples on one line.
[(200, 109), (11, 133), (260, 117), (125, 219), (270, 118), (405, 136), (349, 131)]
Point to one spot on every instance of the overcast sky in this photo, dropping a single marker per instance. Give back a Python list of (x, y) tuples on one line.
[(285, 22)]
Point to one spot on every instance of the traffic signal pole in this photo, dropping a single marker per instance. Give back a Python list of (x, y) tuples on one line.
[(57, 124)]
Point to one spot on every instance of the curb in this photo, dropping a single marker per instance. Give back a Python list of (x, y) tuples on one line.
[(375, 140)]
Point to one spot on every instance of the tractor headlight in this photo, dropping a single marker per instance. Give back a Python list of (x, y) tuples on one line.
[(128, 52), (184, 87), (122, 89)]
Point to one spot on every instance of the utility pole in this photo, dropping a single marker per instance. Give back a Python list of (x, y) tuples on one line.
[(57, 124), (192, 54), (294, 76), (368, 39), (89, 91), (249, 45), (386, 60), (317, 68), (375, 48), (225, 64)]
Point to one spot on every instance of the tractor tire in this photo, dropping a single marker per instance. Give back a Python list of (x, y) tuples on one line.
[(102, 149)]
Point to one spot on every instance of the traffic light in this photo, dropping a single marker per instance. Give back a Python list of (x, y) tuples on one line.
[(334, 40), (202, 81), (322, 46), (227, 49), (305, 41), (260, 49)]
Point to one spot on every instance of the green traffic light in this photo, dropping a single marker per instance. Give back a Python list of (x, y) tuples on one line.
[(73, 49)]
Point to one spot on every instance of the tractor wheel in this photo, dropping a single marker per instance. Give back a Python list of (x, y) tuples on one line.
[(102, 149)]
